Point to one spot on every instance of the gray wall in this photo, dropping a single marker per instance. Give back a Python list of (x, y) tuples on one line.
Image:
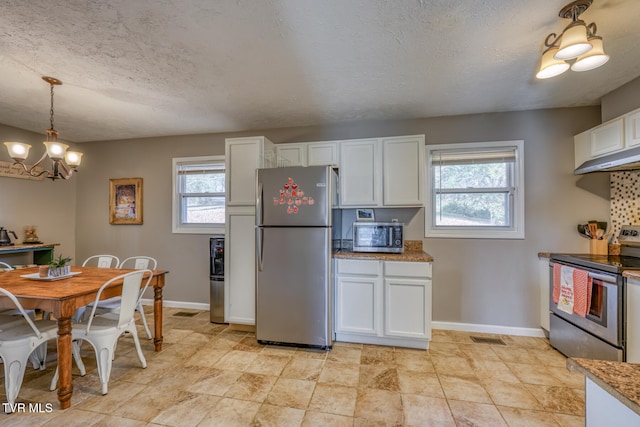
[(621, 100), (49, 205), (475, 281)]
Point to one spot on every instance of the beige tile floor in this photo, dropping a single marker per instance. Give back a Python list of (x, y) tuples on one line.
[(207, 375)]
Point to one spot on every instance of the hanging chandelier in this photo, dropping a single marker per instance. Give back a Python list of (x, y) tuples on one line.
[(64, 163), (577, 47)]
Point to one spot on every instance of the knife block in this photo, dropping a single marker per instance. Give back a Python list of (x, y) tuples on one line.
[(598, 247)]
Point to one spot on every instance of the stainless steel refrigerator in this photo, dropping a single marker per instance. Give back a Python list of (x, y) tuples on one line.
[(293, 255)]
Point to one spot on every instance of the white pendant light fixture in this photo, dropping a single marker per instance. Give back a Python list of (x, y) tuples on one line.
[(64, 163), (577, 47)]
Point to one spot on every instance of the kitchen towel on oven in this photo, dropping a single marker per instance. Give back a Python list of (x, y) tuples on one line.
[(571, 289)]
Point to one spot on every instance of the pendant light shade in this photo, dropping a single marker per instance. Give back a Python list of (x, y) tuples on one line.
[(549, 66), (574, 42), (592, 59), (576, 47)]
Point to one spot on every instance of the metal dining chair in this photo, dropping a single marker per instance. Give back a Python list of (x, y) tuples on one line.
[(103, 331), (112, 304), (102, 261), (17, 343)]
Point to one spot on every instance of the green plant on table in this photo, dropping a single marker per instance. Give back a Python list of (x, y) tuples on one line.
[(59, 262)]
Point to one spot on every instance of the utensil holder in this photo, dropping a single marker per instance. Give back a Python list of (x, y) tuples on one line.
[(598, 247)]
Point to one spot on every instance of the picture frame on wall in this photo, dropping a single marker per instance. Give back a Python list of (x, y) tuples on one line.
[(125, 201), (364, 215)]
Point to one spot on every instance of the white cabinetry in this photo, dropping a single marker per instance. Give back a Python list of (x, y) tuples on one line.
[(239, 262), (607, 138), (323, 154), (603, 409), (619, 134), (403, 170), (291, 154), (360, 180), (407, 300), (383, 302), (358, 297), (242, 157), (633, 318), (632, 129)]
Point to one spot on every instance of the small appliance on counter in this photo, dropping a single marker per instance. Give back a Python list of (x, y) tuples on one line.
[(5, 240), (216, 279), (387, 237)]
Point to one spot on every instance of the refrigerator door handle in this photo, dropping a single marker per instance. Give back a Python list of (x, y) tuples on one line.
[(259, 204), (259, 247)]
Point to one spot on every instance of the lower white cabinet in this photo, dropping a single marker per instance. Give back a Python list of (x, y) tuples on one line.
[(544, 277), (383, 302), (239, 261)]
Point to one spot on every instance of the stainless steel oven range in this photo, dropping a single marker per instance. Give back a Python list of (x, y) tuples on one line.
[(601, 333)]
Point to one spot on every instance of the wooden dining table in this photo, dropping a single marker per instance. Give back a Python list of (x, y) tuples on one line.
[(62, 297)]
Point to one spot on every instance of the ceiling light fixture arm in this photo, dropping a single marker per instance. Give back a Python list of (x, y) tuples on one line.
[(64, 163)]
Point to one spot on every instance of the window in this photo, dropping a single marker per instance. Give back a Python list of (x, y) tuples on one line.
[(198, 194), (476, 190)]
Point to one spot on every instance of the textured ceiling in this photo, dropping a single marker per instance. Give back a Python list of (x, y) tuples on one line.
[(140, 68)]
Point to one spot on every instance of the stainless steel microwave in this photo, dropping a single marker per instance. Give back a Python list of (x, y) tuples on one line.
[(378, 237)]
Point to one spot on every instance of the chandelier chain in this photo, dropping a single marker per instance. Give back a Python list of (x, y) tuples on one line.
[(51, 110)]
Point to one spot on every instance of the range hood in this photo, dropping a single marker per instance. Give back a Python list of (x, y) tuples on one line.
[(621, 161)]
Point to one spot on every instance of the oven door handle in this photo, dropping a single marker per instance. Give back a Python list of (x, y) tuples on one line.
[(603, 277)]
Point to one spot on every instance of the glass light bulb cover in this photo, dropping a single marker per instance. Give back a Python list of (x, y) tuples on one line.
[(73, 158), (549, 66), (592, 59), (574, 42), (55, 150), (18, 150)]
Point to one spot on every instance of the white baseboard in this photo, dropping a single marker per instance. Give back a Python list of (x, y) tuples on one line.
[(489, 329), (178, 304)]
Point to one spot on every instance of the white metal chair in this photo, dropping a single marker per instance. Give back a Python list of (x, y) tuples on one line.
[(102, 261), (112, 304), (17, 343), (103, 331)]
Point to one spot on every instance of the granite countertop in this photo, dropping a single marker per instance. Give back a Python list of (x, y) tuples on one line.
[(412, 253), (25, 246), (632, 274), (620, 379)]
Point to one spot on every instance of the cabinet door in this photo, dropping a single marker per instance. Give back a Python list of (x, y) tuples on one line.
[(291, 155), (357, 304), (607, 138), (581, 148), (239, 259), (242, 157), (322, 154), (360, 168), (407, 307), (403, 171), (632, 129)]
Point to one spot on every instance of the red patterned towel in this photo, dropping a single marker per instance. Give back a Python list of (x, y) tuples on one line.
[(581, 289), (581, 292)]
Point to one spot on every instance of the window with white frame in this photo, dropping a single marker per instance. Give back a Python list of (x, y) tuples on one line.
[(475, 190), (198, 194)]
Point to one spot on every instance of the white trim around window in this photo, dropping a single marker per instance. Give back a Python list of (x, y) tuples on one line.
[(509, 156), (182, 166)]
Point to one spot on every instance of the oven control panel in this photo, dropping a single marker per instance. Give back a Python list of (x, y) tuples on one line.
[(629, 235)]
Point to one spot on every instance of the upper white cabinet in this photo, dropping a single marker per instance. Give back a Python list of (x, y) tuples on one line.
[(382, 172), (403, 170), (360, 180), (632, 128), (323, 154), (291, 154), (607, 138), (619, 134), (242, 157)]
